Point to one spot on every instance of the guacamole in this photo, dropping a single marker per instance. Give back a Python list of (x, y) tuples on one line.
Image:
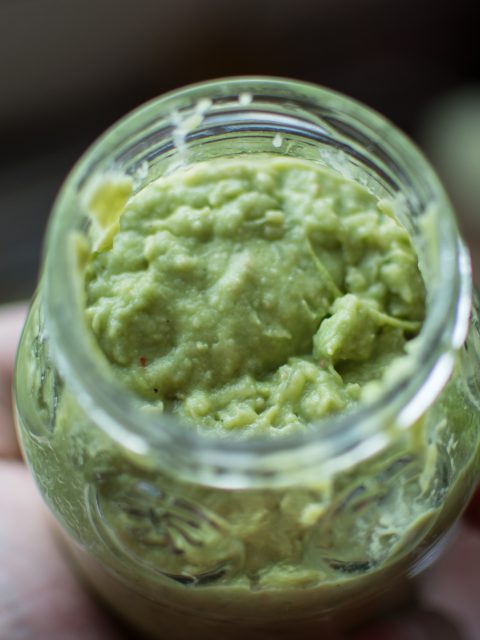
[(254, 294), (250, 297)]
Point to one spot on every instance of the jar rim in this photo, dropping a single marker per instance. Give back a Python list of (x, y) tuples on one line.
[(357, 433)]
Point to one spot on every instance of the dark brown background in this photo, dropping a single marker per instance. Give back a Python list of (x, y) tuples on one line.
[(69, 68)]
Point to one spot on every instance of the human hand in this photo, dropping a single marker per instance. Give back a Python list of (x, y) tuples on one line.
[(42, 599), (40, 596)]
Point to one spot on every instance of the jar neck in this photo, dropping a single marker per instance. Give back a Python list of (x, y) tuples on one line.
[(238, 116)]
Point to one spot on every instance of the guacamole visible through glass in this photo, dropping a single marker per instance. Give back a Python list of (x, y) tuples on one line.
[(248, 296)]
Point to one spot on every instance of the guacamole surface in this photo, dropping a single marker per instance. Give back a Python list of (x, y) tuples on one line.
[(253, 293)]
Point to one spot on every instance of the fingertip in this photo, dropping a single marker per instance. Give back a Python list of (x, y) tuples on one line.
[(12, 317)]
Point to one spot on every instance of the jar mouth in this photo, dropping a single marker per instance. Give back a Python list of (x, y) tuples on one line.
[(362, 145)]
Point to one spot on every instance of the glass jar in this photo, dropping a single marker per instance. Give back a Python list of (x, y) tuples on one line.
[(332, 523)]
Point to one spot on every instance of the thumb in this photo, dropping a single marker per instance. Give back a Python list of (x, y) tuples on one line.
[(12, 318)]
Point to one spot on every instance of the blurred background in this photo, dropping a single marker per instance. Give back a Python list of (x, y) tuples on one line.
[(70, 68)]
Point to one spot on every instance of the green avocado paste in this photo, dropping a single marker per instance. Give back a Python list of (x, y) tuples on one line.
[(249, 296), (250, 293)]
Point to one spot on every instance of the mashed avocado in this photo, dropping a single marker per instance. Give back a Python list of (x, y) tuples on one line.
[(259, 294), (247, 296)]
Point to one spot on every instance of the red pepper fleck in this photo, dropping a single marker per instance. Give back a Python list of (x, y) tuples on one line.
[(142, 360)]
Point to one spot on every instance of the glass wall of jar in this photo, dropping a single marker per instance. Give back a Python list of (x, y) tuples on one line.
[(185, 534)]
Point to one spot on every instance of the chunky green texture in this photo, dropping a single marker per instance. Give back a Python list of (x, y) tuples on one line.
[(252, 293), (248, 296)]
